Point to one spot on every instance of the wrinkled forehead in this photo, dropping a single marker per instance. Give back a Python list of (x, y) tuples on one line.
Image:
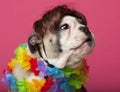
[(71, 21)]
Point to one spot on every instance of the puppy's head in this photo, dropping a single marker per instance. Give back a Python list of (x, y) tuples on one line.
[(62, 37)]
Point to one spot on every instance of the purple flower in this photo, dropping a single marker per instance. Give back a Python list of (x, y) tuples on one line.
[(56, 86), (42, 68), (45, 70)]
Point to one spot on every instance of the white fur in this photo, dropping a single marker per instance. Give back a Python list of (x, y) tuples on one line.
[(70, 39)]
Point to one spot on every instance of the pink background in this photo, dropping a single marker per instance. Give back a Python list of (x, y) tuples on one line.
[(17, 17)]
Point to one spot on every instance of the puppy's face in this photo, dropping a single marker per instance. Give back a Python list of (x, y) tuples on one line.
[(65, 42), (75, 36), (74, 41)]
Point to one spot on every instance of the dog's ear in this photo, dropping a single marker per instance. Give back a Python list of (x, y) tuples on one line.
[(33, 42)]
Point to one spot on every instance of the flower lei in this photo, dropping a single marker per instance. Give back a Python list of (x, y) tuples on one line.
[(54, 79)]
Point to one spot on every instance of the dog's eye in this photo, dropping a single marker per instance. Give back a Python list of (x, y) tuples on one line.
[(64, 27)]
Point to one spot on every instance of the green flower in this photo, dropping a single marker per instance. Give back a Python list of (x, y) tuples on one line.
[(70, 71)]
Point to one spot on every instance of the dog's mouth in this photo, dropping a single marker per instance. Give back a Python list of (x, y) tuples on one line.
[(88, 40)]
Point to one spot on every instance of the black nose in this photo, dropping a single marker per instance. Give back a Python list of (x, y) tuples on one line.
[(86, 31)]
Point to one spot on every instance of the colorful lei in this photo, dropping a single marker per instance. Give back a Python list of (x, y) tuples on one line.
[(54, 79)]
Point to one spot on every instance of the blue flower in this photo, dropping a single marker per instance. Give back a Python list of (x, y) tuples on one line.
[(49, 71), (55, 72), (10, 81), (65, 86)]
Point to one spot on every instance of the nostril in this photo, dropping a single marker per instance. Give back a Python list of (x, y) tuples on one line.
[(89, 39), (85, 30)]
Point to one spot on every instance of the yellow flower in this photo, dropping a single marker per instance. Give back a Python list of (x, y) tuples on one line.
[(12, 63), (39, 83), (26, 62), (27, 58), (26, 65), (22, 58), (20, 51), (31, 87)]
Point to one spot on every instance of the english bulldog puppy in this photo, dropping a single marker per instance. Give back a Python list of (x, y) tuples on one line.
[(61, 38)]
